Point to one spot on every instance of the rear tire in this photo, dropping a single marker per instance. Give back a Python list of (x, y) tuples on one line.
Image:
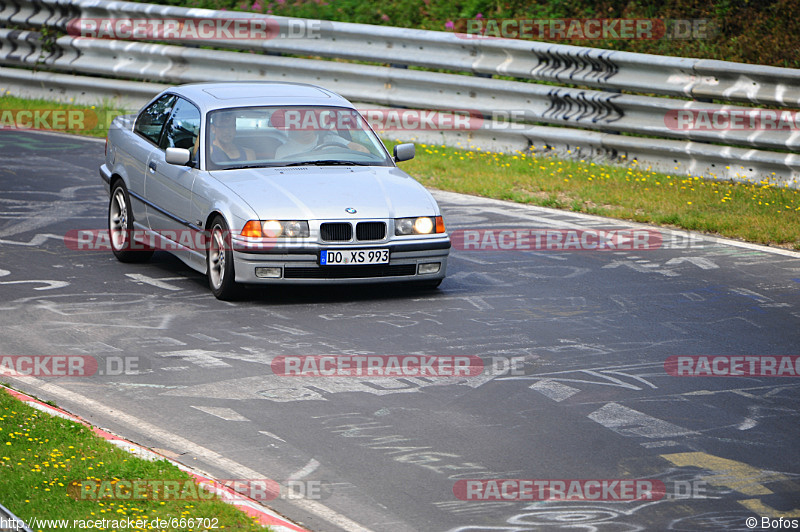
[(120, 227), (219, 261)]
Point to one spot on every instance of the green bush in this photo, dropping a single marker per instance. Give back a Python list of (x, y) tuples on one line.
[(763, 32)]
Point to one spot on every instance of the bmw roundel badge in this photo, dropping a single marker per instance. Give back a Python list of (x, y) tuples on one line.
[(350, 210)]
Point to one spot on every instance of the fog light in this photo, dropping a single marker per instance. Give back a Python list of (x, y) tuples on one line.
[(270, 272), (430, 267)]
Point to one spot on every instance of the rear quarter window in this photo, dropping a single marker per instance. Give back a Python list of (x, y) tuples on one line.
[(151, 120)]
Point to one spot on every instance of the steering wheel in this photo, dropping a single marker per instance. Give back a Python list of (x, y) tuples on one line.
[(329, 144)]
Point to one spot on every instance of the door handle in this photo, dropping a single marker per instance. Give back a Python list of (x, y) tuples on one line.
[(152, 165)]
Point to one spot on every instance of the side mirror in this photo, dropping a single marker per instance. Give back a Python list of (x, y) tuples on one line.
[(179, 156), (403, 152)]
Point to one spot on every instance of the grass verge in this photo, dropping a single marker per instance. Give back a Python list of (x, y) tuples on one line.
[(45, 461), (755, 212), (89, 120)]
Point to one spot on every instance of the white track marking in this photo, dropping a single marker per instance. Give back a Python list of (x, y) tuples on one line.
[(158, 283), (629, 422), (554, 390), (227, 414)]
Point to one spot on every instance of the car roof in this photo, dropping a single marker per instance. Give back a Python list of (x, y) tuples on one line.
[(211, 96)]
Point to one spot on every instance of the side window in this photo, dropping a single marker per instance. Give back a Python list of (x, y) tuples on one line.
[(151, 121), (183, 128)]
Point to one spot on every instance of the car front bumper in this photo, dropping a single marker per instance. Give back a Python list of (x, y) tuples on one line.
[(301, 264)]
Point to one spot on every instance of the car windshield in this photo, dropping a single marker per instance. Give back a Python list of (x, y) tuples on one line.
[(252, 137)]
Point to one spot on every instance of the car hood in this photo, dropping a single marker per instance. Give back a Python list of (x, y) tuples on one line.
[(317, 192)]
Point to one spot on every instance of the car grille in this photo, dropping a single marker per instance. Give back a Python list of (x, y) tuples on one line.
[(336, 232), (349, 272), (371, 230)]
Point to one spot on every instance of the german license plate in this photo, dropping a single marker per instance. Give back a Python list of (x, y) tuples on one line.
[(348, 257)]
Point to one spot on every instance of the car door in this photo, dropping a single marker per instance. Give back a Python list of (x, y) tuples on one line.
[(169, 186), (147, 132)]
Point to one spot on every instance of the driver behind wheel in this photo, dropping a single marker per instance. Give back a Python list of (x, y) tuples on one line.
[(224, 147), (307, 139)]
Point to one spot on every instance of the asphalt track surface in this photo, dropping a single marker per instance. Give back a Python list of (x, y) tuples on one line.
[(591, 399)]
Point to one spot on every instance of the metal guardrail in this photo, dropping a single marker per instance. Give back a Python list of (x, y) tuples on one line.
[(591, 67), (529, 102), (588, 119), (10, 519)]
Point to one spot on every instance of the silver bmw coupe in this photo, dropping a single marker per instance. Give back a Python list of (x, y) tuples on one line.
[(262, 182)]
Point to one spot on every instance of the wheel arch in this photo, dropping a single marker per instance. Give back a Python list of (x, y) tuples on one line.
[(213, 214), (116, 178)]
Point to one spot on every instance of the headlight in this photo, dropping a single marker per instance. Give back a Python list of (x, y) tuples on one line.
[(423, 225), (276, 229), (296, 229), (271, 228)]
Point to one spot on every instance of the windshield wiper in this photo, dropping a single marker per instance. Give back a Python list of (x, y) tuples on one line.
[(327, 162), (243, 166)]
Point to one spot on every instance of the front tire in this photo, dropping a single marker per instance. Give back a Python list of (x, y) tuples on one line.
[(120, 227), (219, 261)]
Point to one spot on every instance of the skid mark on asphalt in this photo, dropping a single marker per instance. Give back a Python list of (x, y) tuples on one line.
[(762, 300), (294, 331), (613, 376), (288, 389), (367, 431)]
